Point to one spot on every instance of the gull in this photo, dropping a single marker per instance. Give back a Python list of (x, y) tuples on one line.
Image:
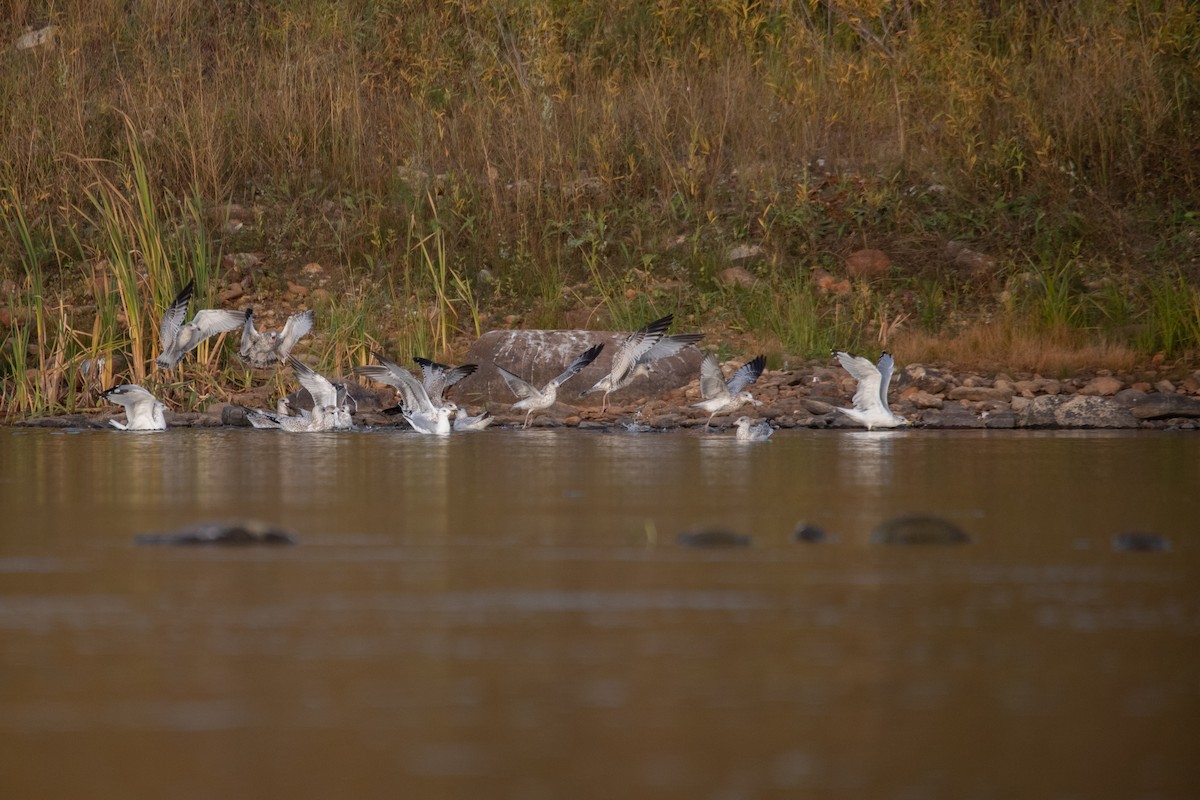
[(416, 406), (143, 411), (720, 395), (534, 399), (635, 355), (463, 421), (264, 349), (329, 396), (440, 377), (318, 420), (870, 400), (750, 431), (178, 338)]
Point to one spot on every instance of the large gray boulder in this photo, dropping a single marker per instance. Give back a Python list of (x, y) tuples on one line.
[(1083, 411), (539, 355), (1166, 406)]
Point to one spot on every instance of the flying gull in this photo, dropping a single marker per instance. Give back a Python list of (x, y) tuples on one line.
[(638, 352), (534, 399), (721, 396), (179, 338)]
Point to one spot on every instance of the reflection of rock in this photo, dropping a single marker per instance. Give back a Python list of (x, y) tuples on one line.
[(1140, 542), (713, 537), (809, 533), (221, 533), (919, 529)]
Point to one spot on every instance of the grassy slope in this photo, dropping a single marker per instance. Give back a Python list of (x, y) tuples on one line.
[(457, 166)]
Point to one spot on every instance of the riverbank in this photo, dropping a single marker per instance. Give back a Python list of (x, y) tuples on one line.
[(929, 396)]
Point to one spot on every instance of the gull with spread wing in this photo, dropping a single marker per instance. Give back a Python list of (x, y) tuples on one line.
[(534, 399), (143, 411), (870, 399), (721, 396), (415, 404), (638, 352), (330, 396), (262, 349), (179, 338)]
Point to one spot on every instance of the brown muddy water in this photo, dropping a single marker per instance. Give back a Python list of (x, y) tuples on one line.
[(509, 615)]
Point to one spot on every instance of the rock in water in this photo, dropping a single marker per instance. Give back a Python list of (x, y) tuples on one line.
[(810, 534), (242, 532), (919, 529), (1140, 542), (713, 537)]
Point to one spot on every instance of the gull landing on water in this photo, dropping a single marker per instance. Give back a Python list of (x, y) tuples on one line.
[(534, 399), (143, 411), (264, 349), (635, 355), (870, 400), (721, 396), (178, 339)]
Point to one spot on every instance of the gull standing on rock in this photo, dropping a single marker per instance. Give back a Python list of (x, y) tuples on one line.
[(721, 396), (264, 349), (870, 400), (534, 399), (416, 406), (178, 339), (635, 355), (750, 431), (143, 411)]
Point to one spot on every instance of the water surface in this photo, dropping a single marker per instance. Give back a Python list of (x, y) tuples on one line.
[(508, 614)]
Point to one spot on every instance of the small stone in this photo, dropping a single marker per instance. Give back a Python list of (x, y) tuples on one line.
[(919, 529), (737, 276), (42, 37), (817, 407), (312, 268), (1165, 386), (923, 399), (1104, 386), (981, 393), (742, 252), (297, 289), (234, 415)]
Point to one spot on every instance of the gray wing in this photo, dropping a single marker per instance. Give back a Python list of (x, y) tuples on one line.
[(712, 380), (172, 319), (636, 345), (581, 361), (669, 346), (322, 391), (440, 377), (747, 374), (517, 385), (416, 399), (249, 335), (886, 365), (297, 325)]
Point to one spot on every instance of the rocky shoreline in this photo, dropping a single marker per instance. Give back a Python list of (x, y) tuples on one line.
[(930, 397)]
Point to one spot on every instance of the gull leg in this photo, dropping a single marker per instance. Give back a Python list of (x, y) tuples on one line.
[(709, 422), (528, 414)]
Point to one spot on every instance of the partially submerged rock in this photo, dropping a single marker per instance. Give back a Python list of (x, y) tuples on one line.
[(1140, 542), (919, 529), (713, 537), (244, 532), (1166, 406), (809, 534)]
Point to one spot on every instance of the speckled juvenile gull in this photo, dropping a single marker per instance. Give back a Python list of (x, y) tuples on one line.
[(178, 339), (418, 410), (750, 431), (870, 399), (534, 399), (637, 352), (721, 396), (318, 420), (143, 411), (463, 421), (263, 349)]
